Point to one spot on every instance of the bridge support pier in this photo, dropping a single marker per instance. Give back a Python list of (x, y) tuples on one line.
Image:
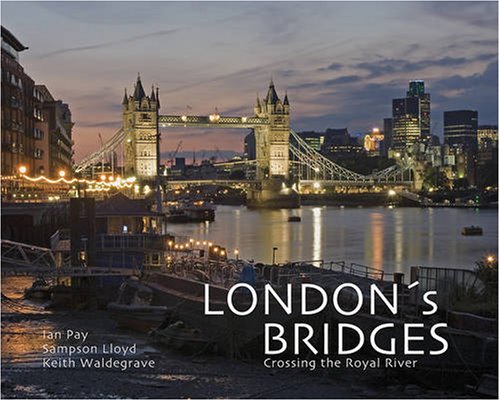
[(272, 193)]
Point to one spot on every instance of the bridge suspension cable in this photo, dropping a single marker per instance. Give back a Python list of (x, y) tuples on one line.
[(314, 166), (109, 146), (309, 164)]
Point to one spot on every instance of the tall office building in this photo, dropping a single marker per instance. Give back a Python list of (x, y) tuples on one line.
[(314, 139), (417, 90), (411, 117), (249, 146), (405, 132), (387, 136), (460, 128), (487, 142)]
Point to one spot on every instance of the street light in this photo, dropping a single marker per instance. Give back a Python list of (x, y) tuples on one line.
[(490, 258), (22, 169), (274, 254), (236, 253), (62, 173)]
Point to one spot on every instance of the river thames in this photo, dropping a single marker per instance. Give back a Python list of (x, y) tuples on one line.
[(380, 237)]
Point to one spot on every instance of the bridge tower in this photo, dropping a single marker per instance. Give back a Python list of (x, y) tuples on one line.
[(140, 114), (272, 142), (272, 154)]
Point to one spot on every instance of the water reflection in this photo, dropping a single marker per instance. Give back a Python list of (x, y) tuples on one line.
[(398, 239), (22, 338), (317, 246), (377, 240), (391, 239)]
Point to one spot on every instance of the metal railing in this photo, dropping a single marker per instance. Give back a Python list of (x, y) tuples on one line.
[(438, 278), (449, 283)]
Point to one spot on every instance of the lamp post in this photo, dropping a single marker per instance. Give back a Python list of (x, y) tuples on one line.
[(22, 172), (274, 254)]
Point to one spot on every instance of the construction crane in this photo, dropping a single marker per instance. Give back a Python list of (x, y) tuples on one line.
[(218, 154), (173, 154)]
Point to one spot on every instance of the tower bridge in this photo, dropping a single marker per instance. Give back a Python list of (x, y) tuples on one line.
[(281, 155)]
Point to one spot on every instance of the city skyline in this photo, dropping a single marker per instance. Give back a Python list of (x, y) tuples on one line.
[(340, 71)]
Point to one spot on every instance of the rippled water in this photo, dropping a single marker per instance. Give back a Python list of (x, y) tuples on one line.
[(389, 239)]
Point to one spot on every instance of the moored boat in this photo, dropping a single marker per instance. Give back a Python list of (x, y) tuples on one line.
[(472, 230), (133, 309), (39, 290), (180, 337)]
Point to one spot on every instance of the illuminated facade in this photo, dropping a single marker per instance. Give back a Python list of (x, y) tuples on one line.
[(140, 113), (487, 133), (417, 90), (411, 117), (272, 140), (314, 139), (373, 141), (405, 132), (54, 143), (487, 140), (18, 135)]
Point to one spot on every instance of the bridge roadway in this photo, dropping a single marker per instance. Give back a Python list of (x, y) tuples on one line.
[(360, 183), (227, 183)]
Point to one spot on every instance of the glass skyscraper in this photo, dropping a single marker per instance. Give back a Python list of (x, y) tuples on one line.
[(411, 117), (460, 128)]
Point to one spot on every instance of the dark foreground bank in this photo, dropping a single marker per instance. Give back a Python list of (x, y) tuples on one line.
[(27, 332)]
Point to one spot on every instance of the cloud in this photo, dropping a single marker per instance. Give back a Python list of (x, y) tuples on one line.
[(101, 124), (479, 14), (259, 69), (379, 68), (109, 44), (332, 67), (346, 79), (475, 91)]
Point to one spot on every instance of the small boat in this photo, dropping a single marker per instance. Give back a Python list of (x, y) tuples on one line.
[(181, 337), (197, 211), (294, 218), (472, 230), (40, 289), (133, 309)]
